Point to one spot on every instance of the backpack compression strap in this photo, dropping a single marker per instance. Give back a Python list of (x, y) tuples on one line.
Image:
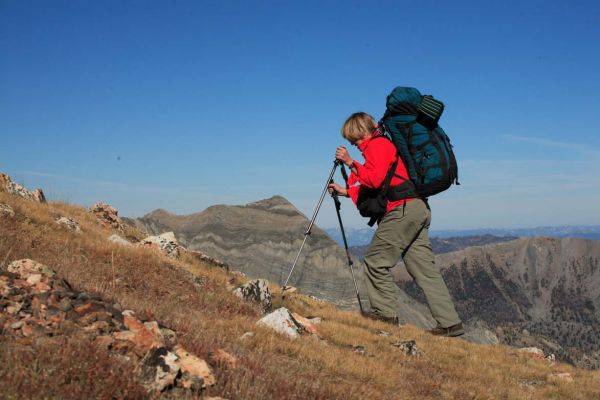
[(405, 190)]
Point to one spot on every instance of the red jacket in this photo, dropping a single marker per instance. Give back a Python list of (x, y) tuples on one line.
[(379, 155)]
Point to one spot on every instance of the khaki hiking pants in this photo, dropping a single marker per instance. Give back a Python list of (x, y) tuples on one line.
[(404, 232)]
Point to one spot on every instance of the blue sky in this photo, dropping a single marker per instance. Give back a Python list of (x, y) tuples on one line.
[(184, 104)]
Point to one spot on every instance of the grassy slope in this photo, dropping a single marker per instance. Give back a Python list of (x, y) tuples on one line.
[(270, 366)]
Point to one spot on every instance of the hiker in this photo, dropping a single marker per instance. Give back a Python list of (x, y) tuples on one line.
[(402, 232)]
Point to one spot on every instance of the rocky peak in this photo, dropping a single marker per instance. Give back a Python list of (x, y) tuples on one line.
[(275, 204), (7, 185), (159, 213)]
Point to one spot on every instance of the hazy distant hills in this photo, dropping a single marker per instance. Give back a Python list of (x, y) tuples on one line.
[(362, 236), (445, 245), (567, 231), (534, 291)]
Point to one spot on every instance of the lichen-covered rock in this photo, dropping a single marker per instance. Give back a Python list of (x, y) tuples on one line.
[(196, 368), (7, 185), (258, 292), (70, 223), (408, 347), (165, 242), (107, 215), (6, 210), (281, 321), (144, 336), (159, 369), (27, 267)]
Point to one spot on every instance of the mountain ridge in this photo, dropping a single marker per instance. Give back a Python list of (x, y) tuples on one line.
[(362, 236), (530, 290), (261, 238)]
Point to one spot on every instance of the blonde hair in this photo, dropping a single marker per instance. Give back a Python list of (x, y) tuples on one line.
[(358, 125)]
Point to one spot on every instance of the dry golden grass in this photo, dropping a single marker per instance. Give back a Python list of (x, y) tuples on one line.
[(270, 365)]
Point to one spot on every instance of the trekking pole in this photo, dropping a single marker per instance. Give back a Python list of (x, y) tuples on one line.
[(338, 205), (312, 221)]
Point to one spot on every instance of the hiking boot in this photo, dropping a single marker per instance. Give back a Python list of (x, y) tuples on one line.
[(451, 331), (377, 317)]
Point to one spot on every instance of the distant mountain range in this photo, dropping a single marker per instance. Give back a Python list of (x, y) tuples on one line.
[(446, 245), (540, 291), (362, 236)]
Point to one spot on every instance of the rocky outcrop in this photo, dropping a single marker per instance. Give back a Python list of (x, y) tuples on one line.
[(35, 303), (6, 210), (408, 347), (256, 291), (7, 185), (282, 321), (290, 324), (107, 215), (69, 223), (208, 259), (165, 242)]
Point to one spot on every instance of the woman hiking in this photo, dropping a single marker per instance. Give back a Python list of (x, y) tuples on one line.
[(402, 232)]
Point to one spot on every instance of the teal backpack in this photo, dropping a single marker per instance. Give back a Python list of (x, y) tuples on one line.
[(411, 121)]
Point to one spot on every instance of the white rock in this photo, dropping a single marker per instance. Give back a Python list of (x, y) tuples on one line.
[(5, 209), (532, 352), (119, 240), (166, 242), (69, 223), (160, 367), (34, 278), (281, 321)]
